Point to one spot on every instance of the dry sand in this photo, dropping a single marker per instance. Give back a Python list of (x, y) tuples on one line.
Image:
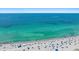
[(57, 44)]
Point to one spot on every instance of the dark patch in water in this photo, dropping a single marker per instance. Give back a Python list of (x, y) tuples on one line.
[(6, 26)]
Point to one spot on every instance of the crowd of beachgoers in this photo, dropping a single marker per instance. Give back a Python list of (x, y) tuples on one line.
[(55, 44)]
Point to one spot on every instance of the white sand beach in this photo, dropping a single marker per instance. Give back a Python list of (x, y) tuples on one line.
[(57, 44)]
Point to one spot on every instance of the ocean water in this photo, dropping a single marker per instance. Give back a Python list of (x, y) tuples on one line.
[(37, 26)]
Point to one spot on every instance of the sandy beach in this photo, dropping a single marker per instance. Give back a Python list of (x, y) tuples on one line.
[(57, 44)]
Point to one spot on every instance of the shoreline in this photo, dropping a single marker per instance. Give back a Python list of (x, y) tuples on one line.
[(58, 38)]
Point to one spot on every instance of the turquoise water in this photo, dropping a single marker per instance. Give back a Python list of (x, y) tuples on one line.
[(28, 27)]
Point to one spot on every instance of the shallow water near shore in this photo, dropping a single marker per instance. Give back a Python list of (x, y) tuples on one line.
[(29, 27)]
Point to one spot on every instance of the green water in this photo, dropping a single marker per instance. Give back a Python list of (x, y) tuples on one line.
[(25, 33)]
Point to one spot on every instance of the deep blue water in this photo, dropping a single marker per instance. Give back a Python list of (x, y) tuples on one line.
[(48, 18)]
